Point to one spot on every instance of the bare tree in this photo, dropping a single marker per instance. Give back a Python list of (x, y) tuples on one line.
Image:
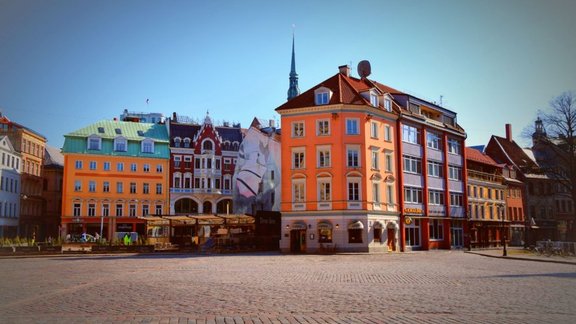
[(557, 140)]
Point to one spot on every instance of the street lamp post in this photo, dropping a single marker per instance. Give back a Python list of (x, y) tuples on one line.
[(503, 233)]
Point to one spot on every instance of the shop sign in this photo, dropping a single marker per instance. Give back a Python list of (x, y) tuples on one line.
[(408, 220), (412, 211)]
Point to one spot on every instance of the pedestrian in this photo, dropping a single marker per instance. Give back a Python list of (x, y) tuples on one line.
[(126, 239)]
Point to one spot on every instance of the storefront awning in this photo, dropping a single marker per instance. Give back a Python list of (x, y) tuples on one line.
[(298, 226), (324, 226), (356, 225)]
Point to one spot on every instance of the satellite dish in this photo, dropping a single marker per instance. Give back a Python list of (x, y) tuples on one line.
[(364, 69)]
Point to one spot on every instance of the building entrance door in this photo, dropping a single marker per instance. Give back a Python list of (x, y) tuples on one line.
[(297, 241)]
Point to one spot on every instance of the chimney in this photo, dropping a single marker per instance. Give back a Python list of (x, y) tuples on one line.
[(509, 132), (271, 123), (344, 69)]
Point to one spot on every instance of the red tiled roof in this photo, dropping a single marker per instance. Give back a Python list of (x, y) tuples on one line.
[(346, 90), (477, 156), (514, 152)]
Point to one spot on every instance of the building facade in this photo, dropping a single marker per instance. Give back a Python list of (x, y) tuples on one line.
[(202, 162), (10, 185), (30, 145), (514, 206), (486, 201), (430, 153), (338, 168), (114, 173), (52, 177)]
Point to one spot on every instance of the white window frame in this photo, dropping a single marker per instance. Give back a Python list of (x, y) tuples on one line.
[(353, 155), (435, 169), (374, 159), (94, 143), (323, 127), (298, 157), (453, 146), (324, 189), (387, 133), (374, 129), (456, 199), (298, 129), (455, 173), (413, 195), (435, 197), (352, 126), (388, 162), (412, 164), (433, 141), (324, 156), (387, 104), (410, 134), (147, 146), (357, 183), (120, 144), (298, 190)]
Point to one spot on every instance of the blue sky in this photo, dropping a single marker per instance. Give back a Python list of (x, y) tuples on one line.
[(66, 64)]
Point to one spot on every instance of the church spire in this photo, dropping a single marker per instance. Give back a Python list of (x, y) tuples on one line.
[(293, 90)]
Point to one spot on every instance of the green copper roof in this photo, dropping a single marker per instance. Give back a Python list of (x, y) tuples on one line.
[(128, 130)]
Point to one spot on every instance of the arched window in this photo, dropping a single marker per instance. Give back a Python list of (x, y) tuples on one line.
[(224, 206), (186, 206), (207, 207), (207, 145)]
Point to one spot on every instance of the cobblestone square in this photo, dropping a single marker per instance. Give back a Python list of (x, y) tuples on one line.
[(430, 287)]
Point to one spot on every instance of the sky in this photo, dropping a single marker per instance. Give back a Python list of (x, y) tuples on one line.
[(65, 64)]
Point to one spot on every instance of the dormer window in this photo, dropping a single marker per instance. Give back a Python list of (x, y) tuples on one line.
[(186, 142), (207, 145), (373, 99), (177, 142), (147, 146), (322, 96), (387, 104), (120, 144), (94, 143)]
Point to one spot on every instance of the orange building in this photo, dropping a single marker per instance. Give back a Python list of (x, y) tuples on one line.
[(338, 168), (114, 173)]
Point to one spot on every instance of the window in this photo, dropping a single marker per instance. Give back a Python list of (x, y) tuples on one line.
[(412, 195), (106, 166), (434, 169), (145, 210), (412, 164), (133, 167), (353, 157), (374, 160), (78, 164), (433, 141), (354, 189), (146, 167), (390, 194), (376, 192), (159, 168), (355, 235), (298, 191), (435, 197), (146, 188), (322, 98), (374, 129), (322, 127), (92, 186), (324, 193), (453, 146), (455, 173), (91, 210), (388, 162), (177, 160), (147, 146), (76, 209), (119, 166), (436, 228), (119, 210), (77, 185), (323, 157), (132, 210), (387, 104), (410, 134), (177, 142), (158, 209), (132, 187), (324, 233), (119, 187), (106, 186), (414, 108), (94, 143), (298, 158), (120, 144), (298, 129), (187, 142), (207, 145), (456, 199), (105, 210), (412, 233), (352, 127), (158, 188), (374, 99), (387, 133)]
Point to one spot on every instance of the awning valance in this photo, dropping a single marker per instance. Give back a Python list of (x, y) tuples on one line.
[(356, 225), (324, 226), (298, 226)]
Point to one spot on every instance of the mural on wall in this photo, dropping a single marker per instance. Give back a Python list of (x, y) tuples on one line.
[(257, 173)]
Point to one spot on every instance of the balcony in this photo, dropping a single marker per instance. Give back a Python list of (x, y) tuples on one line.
[(483, 176), (201, 191)]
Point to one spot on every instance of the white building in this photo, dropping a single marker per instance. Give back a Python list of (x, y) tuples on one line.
[(9, 188)]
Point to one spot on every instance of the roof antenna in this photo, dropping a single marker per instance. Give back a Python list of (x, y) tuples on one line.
[(441, 96)]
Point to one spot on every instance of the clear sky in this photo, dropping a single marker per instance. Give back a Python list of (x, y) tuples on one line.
[(65, 64)]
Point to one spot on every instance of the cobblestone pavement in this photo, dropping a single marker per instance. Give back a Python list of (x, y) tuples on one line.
[(429, 287)]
